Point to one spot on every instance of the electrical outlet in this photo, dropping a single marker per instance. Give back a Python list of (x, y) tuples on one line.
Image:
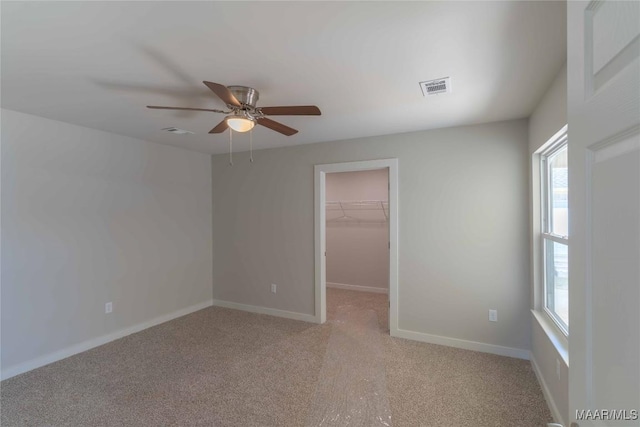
[(274, 288), (558, 368), (108, 307), (493, 315)]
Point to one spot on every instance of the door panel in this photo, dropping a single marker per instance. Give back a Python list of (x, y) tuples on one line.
[(603, 66), (614, 268)]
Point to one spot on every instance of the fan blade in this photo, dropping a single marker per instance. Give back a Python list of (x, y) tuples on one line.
[(278, 127), (155, 107), (221, 127), (223, 93), (293, 110)]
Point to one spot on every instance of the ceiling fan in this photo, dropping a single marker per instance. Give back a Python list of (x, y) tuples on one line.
[(242, 114)]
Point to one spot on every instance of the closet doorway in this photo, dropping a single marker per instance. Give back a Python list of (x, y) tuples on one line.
[(357, 242), (356, 236)]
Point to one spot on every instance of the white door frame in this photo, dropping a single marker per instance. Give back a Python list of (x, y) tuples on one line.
[(320, 172)]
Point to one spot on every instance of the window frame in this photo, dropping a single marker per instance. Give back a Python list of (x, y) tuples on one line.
[(553, 147)]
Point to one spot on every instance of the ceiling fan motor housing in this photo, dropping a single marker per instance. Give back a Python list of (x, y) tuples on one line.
[(245, 95)]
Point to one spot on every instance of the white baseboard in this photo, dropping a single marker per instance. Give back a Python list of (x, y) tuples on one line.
[(265, 310), (357, 288), (557, 416), (95, 342), (464, 344)]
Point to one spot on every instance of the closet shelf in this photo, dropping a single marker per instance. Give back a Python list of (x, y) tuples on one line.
[(358, 210)]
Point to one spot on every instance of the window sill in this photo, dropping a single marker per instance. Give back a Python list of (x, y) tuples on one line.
[(557, 338)]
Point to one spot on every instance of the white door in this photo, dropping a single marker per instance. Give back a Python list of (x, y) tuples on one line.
[(604, 212)]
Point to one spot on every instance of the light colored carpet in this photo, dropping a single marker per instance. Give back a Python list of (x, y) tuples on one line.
[(352, 389), (220, 367)]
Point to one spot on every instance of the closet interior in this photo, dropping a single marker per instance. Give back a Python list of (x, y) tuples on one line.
[(357, 241)]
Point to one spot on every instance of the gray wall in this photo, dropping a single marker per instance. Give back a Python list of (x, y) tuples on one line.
[(548, 118), (463, 219), (357, 248), (90, 217)]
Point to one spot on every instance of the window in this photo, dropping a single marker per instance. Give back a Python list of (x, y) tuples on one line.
[(555, 231)]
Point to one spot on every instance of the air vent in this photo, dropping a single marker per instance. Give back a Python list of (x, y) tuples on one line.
[(178, 131), (436, 87)]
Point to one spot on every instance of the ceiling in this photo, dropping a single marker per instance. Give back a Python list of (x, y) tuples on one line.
[(98, 64)]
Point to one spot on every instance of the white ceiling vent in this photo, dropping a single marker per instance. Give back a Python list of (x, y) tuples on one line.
[(436, 87), (178, 131)]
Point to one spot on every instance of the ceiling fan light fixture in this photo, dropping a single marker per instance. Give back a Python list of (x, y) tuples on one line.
[(240, 123), (243, 113)]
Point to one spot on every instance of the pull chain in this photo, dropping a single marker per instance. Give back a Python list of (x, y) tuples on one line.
[(230, 147), (251, 146)]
